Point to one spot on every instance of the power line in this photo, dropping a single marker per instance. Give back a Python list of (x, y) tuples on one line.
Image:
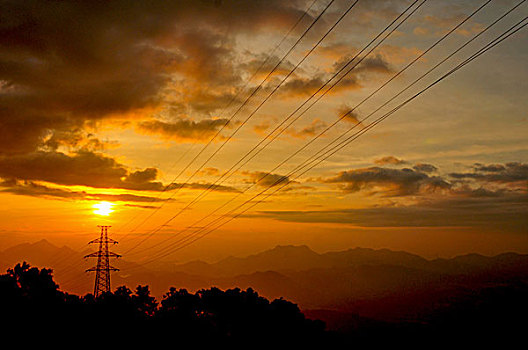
[(350, 140), (339, 119), (231, 216), (363, 131), (223, 177), (258, 107), (234, 98)]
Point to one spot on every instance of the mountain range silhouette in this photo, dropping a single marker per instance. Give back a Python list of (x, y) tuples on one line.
[(347, 289)]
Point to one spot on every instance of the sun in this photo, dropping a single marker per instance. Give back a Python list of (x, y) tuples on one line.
[(103, 208)]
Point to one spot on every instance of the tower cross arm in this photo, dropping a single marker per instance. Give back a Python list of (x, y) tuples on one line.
[(105, 240), (96, 255), (94, 269)]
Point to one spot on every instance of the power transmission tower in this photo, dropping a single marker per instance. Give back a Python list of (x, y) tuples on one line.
[(103, 268)]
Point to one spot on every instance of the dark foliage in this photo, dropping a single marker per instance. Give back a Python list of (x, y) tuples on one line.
[(30, 301), (32, 308)]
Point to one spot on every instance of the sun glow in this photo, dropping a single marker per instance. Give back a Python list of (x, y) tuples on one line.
[(103, 208)]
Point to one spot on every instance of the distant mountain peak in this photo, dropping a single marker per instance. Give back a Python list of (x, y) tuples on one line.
[(41, 245), (291, 248), (286, 251), (43, 242)]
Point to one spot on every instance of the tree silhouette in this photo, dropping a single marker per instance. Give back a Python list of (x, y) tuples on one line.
[(30, 300), (33, 307), (29, 296)]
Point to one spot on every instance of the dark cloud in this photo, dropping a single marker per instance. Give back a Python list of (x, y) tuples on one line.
[(82, 168), (267, 179), (349, 115), (142, 176), (493, 168), (376, 64), (389, 160), (459, 203), (506, 213), (141, 206), (425, 168), (126, 197), (302, 86), (67, 138), (209, 171), (203, 186), (306, 86), (75, 139), (183, 130), (315, 127), (464, 190), (486, 181), (30, 188), (87, 169), (263, 64), (514, 173), (391, 182), (65, 63)]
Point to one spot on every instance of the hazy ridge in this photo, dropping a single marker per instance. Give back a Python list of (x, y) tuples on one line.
[(342, 287)]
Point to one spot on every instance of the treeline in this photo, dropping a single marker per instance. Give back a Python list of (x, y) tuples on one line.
[(31, 301), (33, 308)]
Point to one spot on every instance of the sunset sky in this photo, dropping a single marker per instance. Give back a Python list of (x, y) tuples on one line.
[(110, 101)]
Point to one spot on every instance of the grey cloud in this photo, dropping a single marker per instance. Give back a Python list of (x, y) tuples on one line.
[(82, 168), (389, 160), (489, 168), (29, 188), (376, 63), (203, 186), (509, 213), (185, 130), (87, 169), (312, 129), (425, 168), (267, 179), (459, 203), (264, 64), (67, 62), (394, 182), (142, 176), (300, 86), (509, 173), (350, 115)]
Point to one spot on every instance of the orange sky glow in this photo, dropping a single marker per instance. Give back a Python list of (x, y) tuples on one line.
[(123, 121)]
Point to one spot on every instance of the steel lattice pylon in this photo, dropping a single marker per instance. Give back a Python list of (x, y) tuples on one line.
[(103, 268)]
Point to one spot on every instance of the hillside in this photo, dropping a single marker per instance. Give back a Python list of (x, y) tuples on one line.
[(359, 283)]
